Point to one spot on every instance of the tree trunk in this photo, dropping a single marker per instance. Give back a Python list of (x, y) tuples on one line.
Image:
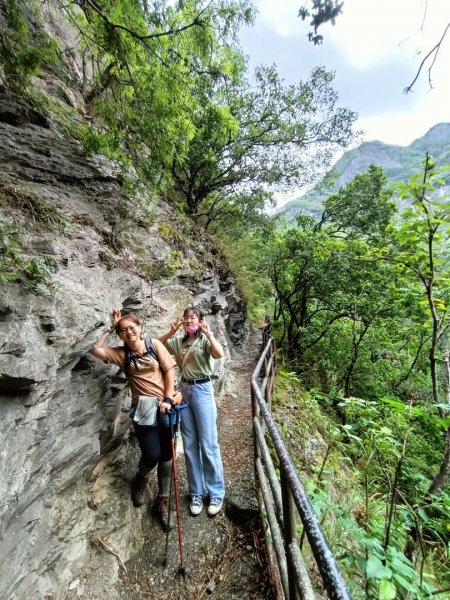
[(105, 81), (349, 373), (442, 477)]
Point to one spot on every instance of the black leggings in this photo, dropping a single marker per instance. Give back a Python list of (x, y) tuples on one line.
[(155, 444)]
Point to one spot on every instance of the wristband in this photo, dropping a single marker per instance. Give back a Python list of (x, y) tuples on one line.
[(168, 400), (111, 329)]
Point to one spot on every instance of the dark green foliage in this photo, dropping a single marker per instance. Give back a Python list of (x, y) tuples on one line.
[(350, 481), (168, 89), (361, 317), (321, 12), (362, 208), (146, 67), (24, 46), (329, 280)]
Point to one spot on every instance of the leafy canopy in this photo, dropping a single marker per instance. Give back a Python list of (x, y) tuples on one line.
[(255, 137)]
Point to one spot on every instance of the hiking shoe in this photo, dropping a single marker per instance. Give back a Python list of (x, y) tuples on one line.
[(138, 489), (161, 509), (196, 505), (214, 506)]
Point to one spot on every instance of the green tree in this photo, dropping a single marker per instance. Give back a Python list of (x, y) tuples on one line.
[(363, 207), (255, 137), (24, 44), (321, 271), (235, 214), (361, 308), (422, 238), (146, 65)]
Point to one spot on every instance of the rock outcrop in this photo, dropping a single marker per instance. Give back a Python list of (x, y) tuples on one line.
[(67, 451)]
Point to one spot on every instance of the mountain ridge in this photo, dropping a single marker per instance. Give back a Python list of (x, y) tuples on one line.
[(398, 163)]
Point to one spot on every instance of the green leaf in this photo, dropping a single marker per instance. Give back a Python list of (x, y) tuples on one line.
[(394, 403), (400, 564), (386, 431), (376, 570), (354, 437), (423, 514), (404, 583), (388, 591)]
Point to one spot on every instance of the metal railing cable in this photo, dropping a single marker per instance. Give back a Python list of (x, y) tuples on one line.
[(286, 499)]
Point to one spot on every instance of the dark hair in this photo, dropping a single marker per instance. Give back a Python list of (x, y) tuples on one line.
[(194, 309), (130, 317), (133, 319), (199, 314)]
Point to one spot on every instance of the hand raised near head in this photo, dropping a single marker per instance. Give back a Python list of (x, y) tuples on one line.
[(115, 315), (204, 327), (175, 325)]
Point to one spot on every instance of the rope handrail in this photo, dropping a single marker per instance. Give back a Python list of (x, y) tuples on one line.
[(291, 487)]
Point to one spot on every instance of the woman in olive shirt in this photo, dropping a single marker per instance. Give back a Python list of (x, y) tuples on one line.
[(195, 353)]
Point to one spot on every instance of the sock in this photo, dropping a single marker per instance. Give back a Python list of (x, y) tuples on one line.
[(164, 476)]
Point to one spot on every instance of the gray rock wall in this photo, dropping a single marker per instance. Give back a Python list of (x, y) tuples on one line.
[(67, 453)]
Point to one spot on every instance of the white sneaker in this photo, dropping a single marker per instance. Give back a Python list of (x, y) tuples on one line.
[(214, 506), (196, 505)]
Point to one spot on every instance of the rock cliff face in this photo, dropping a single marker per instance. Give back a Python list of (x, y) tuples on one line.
[(67, 451)]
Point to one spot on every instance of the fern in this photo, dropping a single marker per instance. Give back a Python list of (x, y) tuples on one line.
[(35, 274)]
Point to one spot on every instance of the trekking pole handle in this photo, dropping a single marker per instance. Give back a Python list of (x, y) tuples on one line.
[(175, 412), (177, 408)]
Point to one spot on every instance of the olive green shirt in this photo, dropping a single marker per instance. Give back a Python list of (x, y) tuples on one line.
[(200, 362)]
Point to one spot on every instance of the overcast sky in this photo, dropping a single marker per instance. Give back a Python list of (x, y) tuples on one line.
[(375, 48)]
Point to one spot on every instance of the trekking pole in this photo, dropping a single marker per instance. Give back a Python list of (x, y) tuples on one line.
[(168, 528), (181, 568), (174, 479)]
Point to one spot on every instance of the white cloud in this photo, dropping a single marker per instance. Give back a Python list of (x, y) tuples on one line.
[(367, 30), (280, 16), (375, 48)]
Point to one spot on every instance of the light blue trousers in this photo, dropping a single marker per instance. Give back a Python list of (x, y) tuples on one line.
[(201, 447)]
